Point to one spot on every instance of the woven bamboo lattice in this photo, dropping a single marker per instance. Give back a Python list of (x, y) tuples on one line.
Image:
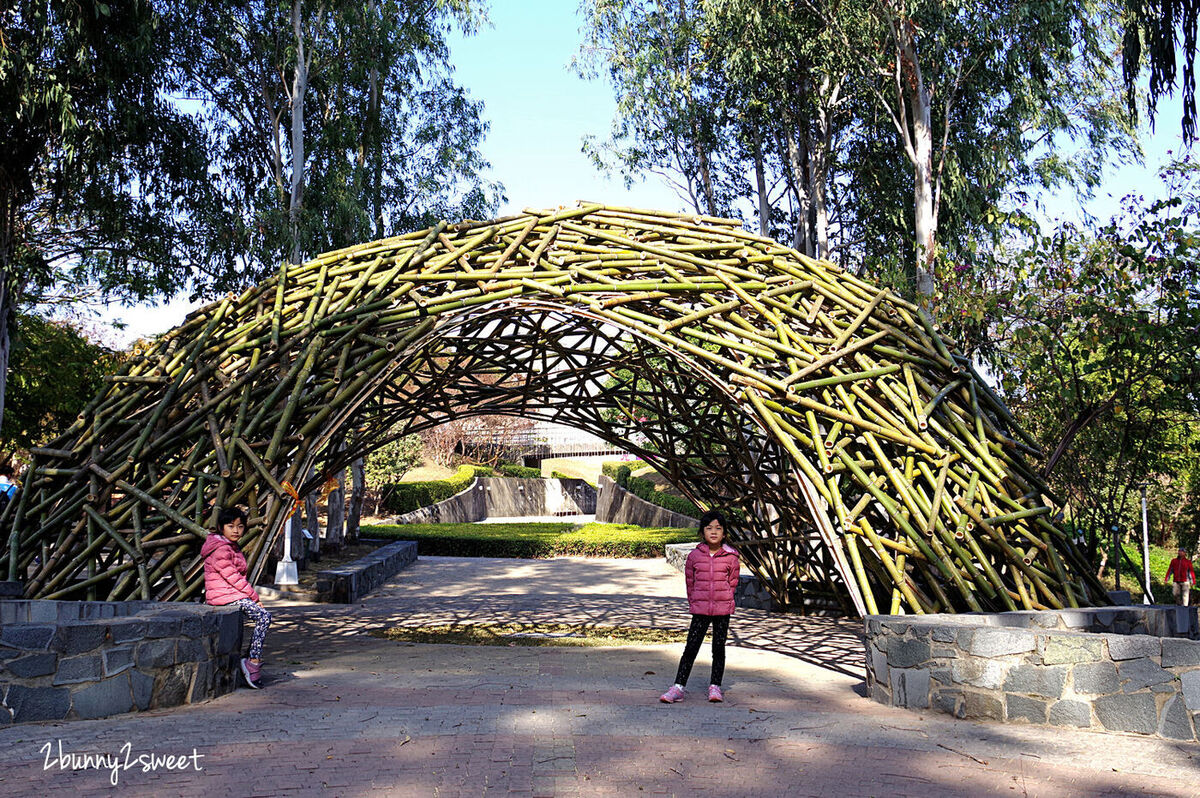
[(866, 462)]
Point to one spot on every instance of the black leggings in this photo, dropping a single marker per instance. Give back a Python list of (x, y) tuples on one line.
[(696, 632)]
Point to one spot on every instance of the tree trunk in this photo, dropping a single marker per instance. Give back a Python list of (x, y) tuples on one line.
[(335, 526), (819, 166), (797, 180), (760, 180), (925, 219), (5, 317), (921, 153), (299, 87), (358, 491)]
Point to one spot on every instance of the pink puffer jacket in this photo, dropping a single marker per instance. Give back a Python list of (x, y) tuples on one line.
[(711, 580), (224, 572)]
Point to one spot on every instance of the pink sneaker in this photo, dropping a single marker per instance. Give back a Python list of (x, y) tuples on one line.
[(672, 695), (714, 693), (250, 672)]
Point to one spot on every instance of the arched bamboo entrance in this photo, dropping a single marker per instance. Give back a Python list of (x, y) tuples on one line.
[(870, 462)]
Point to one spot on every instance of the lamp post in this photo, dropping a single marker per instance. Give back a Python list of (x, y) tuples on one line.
[(1116, 552), (1146, 545)]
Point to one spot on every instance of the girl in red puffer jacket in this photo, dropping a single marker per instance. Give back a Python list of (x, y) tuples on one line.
[(225, 583), (711, 573)]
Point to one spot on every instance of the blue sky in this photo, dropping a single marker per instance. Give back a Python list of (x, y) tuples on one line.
[(539, 110)]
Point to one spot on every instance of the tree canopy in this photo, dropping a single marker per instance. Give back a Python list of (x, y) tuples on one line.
[(104, 181)]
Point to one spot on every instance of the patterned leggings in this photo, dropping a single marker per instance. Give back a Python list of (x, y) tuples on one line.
[(262, 621), (696, 632)]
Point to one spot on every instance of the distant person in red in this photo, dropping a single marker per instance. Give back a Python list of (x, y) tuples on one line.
[(1181, 576)]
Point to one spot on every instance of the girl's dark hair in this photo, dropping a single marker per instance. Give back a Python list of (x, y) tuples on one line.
[(230, 514), (709, 517)]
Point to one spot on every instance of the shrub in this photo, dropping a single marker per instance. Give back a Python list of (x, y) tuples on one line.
[(647, 490), (623, 474), (519, 471), (404, 497), (609, 468)]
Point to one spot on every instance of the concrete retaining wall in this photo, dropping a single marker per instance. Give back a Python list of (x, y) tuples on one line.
[(504, 497), (351, 582), (1130, 669), (749, 592), (615, 505), (91, 659), (465, 507)]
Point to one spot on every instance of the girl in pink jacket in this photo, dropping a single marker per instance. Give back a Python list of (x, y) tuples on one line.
[(225, 583), (711, 573)]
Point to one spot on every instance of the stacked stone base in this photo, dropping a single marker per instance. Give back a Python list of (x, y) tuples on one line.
[(91, 659), (351, 582), (1133, 669)]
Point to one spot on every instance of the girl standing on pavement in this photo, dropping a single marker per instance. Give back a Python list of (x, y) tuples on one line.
[(711, 573), (225, 583)]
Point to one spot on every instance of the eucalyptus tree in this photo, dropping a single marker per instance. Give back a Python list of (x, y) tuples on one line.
[(671, 115), (907, 126), (1157, 32), (103, 180), (787, 79), (987, 98), (334, 122)]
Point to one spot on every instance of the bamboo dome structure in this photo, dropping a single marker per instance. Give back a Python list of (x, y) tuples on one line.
[(861, 460)]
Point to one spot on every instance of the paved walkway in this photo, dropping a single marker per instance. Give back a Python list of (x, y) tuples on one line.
[(347, 714)]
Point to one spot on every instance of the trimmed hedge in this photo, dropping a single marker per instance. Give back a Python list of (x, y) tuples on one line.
[(621, 472), (534, 541), (518, 471), (645, 489), (404, 497), (609, 468)]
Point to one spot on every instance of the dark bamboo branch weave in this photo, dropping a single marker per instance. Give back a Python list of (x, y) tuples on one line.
[(869, 464)]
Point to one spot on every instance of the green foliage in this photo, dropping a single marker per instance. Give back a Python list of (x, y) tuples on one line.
[(610, 467), (404, 497), (647, 490), (534, 540), (623, 476), (620, 472), (1157, 32), (104, 183), (813, 113), (518, 471), (385, 467), (1094, 336), (390, 462), (390, 142), (56, 371)]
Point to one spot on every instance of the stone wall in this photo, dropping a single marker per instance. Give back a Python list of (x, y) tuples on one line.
[(750, 593), (351, 582), (90, 659), (615, 505), (1130, 669)]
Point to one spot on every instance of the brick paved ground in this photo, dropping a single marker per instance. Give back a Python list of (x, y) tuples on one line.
[(352, 715)]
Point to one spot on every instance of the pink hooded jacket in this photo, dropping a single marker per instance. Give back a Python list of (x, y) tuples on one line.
[(224, 572), (711, 580)]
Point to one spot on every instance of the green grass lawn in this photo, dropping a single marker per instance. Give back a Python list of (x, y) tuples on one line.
[(534, 540)]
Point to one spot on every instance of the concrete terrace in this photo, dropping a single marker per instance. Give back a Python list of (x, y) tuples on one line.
[(347, 714)]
